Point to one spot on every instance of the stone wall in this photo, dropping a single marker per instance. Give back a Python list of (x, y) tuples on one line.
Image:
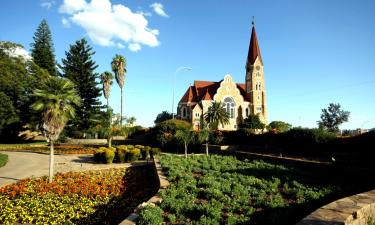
[(354, 210)]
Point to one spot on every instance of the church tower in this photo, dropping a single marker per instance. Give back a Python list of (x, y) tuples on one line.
[(255, 88)]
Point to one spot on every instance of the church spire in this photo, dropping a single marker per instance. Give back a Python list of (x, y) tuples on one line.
[(254, 50)]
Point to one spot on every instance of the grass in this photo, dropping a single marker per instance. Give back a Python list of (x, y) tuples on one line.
[(92, 197), (224, 190), (3, 159)]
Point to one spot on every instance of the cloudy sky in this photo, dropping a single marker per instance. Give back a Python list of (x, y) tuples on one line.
[(315, 52)]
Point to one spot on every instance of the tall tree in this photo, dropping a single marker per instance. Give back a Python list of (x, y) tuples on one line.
[(79, 67), (279, 126), (56, 100), (107, 81), (119, 68), (332, 117), (216, 115), (42, 48), (18, 78)]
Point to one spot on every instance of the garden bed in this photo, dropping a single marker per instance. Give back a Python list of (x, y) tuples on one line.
[(93, 197), (44, 148), (224, 190)]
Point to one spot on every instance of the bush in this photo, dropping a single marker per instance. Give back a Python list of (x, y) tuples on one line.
[(109, 155), (121, 153), (99, 155), (133, 154), (150, 215), (145, 152)]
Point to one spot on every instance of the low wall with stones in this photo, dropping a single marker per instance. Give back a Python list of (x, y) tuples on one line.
[(354, 210), (162, 182)]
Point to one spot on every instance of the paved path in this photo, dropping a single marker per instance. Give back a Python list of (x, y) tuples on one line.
[(25, 164)]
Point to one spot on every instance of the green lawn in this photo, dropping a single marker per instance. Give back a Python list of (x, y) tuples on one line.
[(3, 159), (224, 190)]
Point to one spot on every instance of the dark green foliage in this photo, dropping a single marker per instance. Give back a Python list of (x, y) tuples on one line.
[(42, 48), (332, 117), (3, 159), (224, 190), (216, 115), (279, 126), (150, 215), (163, 134), (163, 116), (18, 78), (252, 122), (79, 67)]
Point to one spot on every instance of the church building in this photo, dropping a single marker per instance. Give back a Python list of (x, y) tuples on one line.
[(238, 99)]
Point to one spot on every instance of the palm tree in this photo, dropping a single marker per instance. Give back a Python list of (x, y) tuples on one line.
[(107, 78), (216, 115), (119, 68), (186, 136), (55, 100), (132, 120)]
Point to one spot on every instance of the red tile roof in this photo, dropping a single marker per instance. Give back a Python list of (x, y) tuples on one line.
[(205, 90), (254, 50)]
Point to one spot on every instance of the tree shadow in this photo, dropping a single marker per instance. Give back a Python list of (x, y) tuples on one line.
[(140, 185)]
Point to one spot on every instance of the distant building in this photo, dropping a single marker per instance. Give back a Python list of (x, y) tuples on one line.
[(239, 99)]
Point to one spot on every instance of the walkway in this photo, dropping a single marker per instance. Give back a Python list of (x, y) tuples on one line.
[(26, 164)]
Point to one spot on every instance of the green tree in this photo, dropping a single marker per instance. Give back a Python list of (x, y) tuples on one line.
[(56, 101), (79, 67), (216, 115), (332, 117), (163, 116), (131, 120), (186, 136), (279, 126), (42, 48), (107, 81), (18, 78), (253, 122), (119, 68), (203, 136)]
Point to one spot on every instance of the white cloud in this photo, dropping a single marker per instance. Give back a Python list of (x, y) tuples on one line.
[(47, 3), (65, 22), (159, 9), (119, 45), (107, 24), (134, 47)]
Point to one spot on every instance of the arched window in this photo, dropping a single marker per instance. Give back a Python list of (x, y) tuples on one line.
[(229, 106), (247, 112), (184, 112)]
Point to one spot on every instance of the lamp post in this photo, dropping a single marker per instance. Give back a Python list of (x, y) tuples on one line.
[(182, 68)]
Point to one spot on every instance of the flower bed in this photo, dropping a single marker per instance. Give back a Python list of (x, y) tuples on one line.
[(224, 190), (44, 148), (93, 197)]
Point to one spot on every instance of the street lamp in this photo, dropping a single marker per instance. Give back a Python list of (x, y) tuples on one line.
[(182, 68)]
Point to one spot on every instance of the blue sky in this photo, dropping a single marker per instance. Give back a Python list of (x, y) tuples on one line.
[(315, 52)]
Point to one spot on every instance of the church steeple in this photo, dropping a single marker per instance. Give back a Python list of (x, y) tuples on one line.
[(254, 50), (255, 88)]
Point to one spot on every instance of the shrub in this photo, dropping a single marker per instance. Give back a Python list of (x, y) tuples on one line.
[(109, 155), (134, 154), (145, 152), (139, 146), (121, 153), (150, 215), (99, 155)]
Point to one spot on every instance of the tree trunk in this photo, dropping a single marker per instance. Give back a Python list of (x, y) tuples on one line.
[(121, 110), (51, 162), (206, 148), (185, 150), (109, 140)]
